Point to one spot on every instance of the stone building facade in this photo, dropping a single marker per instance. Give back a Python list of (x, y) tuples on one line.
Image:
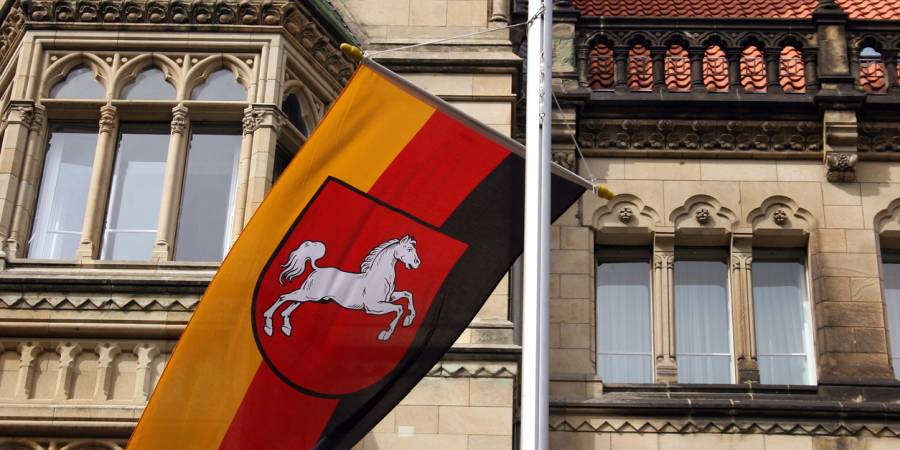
[(742, 290)]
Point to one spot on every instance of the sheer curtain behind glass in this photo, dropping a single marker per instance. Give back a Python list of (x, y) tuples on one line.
[(63, 193), (782, 322), (135, 194), (703, 333), (892, 301), (623, 322), (207, 204)]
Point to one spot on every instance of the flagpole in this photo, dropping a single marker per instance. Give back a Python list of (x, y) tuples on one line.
[(535, 407)]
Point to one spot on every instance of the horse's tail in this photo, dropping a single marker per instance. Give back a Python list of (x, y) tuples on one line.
[(307, 251)]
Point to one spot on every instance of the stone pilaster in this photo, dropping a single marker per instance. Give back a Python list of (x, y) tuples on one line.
[(68, 351), (742, 308), (145, 354), (28, 353), (107, 353), (28, 185), (264, 122), (98, 192), (19, 120)]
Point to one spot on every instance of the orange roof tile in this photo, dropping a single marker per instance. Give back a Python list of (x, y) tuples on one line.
[(787, 9)]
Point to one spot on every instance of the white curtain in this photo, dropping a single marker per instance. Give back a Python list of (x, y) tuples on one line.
[(782, 322), (63, 195), (702, 330), (892, 300), (623, 323)]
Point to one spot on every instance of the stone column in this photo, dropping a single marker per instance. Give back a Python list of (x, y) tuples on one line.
[(173, 180), (28, 352), (810, 72), (582, 53), (663, 297), (499, 14), (659, 70), (68, 351), (697, 84), (266, 122), (145, 354), (890, 67), (742, 308), (848, 303), (28, 185), (734, 70), (620, 56), (773, 71), (107, 353), (240, 202), (19, 118), (98, 192)]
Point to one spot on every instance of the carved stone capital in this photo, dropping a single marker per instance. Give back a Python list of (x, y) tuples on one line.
[(37, 121), (262, 116), (145, 354), (179, 119), (68, 351), (107, 352), (841, 166), (109, 118), (28, 352), (20, 112)]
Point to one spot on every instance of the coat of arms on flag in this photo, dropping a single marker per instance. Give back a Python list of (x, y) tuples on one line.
[(371, 255)]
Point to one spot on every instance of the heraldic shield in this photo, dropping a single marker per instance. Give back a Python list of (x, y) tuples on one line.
[(349, 291)]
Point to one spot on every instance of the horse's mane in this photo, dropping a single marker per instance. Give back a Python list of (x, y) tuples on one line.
[(367, 263)]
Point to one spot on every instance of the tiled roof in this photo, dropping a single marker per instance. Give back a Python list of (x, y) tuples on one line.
[(858, 9)]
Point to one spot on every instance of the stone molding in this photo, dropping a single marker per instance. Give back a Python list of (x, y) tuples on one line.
[(99, 303), (780, 216), (63, 444), (887, 221), (703, 214), (700, 137), (625, 214), (474, 369), (797, 428), (219, 16), (879, 137)]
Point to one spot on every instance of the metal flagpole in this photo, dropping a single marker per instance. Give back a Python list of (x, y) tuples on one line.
[(535, 408)]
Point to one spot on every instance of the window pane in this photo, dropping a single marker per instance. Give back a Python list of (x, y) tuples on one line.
[(782, 322), (220, 85), (703, 334), (623, 322), (79, 83), (135, 195), (63, 193), (207, 204), (150, 84), (294, 112), (892, 301)]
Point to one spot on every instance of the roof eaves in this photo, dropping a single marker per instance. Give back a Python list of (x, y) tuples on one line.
[(332, 21)]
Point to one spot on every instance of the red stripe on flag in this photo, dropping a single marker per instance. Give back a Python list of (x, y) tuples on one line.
[(438, 169), (275, 416)]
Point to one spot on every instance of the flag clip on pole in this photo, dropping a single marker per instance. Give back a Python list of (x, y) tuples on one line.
[(535, 408)]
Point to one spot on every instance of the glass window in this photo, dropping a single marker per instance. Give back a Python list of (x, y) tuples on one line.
[(81, 82), (294, 112), (207, 203), (150, 84), (220, 85), (702, 322), (63, 193), (135, 194), (782, 318), (623, 322), (892, 302), (282, 159)]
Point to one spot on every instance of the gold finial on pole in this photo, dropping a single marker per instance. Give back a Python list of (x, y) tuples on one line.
[(604, 192), (351, 51)]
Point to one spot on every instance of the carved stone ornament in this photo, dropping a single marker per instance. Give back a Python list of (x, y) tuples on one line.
[(293, 16), (841, 166), (179, 119), (108, 118), (626, 215), (565, 159), (702, 215), (252, 119), (780, 217)]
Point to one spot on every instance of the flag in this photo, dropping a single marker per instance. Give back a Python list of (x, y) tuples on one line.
[(369, 257)]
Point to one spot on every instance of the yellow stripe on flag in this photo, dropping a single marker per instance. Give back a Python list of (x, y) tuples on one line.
[(216, 359)]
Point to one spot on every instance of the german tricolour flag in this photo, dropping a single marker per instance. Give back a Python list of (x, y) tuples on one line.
[(372, 253)]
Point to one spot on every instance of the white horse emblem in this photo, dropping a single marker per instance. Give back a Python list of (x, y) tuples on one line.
[(371, 290)]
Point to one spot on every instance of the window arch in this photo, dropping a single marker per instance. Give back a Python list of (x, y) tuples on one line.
[(149, 84), (791, 70), (220, 85), (81, 83), (602, 74), (715, 69), (753, 69), (678, 68), (293, 109), (640, 68), (872, 75)]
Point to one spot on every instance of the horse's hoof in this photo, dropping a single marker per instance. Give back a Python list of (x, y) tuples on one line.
[(286, 330), (408, 320), (268, 329), (384, 335)]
